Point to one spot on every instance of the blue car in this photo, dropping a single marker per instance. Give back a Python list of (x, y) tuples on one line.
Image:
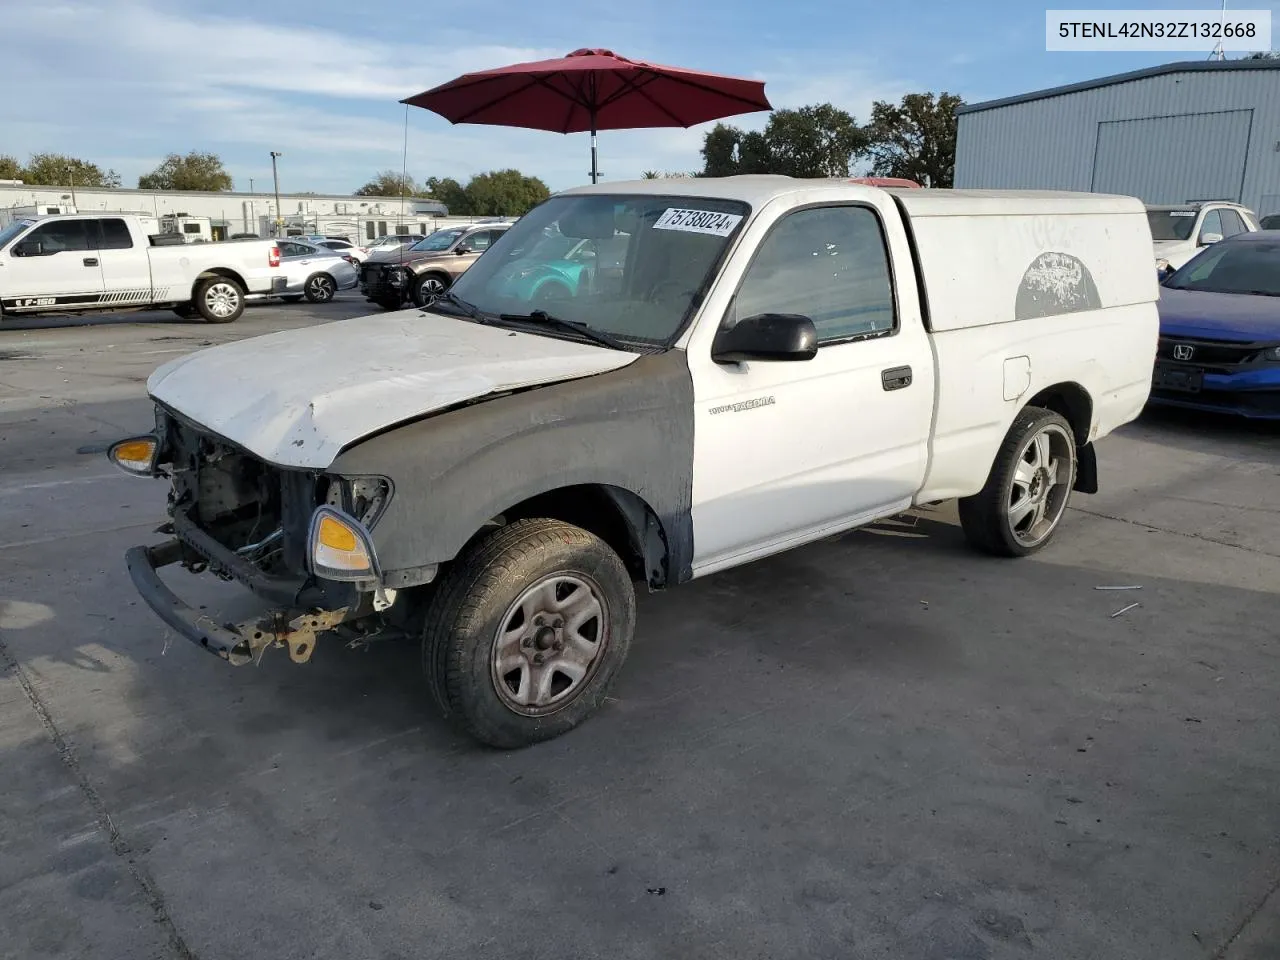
[(1220, 330)]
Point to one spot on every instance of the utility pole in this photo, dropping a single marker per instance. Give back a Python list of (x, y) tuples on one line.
[(251, 184), (275, 175)]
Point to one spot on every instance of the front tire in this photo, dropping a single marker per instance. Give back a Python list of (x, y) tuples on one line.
[(219, 300), (428, 289), (527, 631), (1021, 506), (320, 288)]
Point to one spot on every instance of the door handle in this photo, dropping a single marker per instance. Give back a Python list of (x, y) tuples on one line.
[(90, 261), (895, 378)]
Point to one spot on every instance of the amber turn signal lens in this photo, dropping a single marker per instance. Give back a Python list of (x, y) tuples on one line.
[(134, 455)]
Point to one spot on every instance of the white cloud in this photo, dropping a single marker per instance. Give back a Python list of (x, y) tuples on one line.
[(134, 80)]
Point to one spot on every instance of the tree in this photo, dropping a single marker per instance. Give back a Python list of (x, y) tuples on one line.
[(57, 170), (815, 141), (1263, 55), (720, 151), (451, 193), (504, 193), (915, 139), (10, 168), (195, 171), (651, 175), (389, 183)]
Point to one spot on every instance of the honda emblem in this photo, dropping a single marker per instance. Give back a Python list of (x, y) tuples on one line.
[(1183, 352)]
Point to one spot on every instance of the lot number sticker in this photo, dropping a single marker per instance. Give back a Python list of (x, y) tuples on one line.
[(698, 221)]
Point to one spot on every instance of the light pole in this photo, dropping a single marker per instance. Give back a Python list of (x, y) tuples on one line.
[(276, 177)]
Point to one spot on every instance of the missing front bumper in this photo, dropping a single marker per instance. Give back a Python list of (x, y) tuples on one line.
[(240, 643)]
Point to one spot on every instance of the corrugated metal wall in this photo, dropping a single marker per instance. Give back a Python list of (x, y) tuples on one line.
[(1053, 143)]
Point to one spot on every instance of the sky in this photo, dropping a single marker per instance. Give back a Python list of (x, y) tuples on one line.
[(124, 82)]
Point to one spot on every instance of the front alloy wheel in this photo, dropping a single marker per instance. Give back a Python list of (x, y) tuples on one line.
[(429, 289)]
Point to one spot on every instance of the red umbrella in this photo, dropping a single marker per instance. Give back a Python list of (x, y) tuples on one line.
[(591, 90)]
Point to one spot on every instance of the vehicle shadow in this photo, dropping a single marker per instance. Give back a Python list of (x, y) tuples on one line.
[(880, 737)]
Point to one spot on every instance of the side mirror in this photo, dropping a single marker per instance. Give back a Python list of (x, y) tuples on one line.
[(1208, 238), (29, 248), (766, 336), (462, 250)]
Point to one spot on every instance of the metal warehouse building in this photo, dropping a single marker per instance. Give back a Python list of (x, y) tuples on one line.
[(1204, 130)]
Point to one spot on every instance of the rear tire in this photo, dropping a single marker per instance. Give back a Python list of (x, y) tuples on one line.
[(526, 632), (1021, 506), (320, 288), (219, 300)]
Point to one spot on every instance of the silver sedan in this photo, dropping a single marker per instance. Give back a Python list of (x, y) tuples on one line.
[(314, 272)]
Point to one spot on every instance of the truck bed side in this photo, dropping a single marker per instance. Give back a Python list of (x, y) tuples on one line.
[(1056, 295), (177, 267)]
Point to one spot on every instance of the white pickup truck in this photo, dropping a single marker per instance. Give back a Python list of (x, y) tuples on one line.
[(772, 361), (87, 263)]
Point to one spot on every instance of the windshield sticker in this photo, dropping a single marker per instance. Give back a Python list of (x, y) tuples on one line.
[(698, 221), (1182, 213)]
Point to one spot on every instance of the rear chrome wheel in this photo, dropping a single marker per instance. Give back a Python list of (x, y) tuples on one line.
[(1025, 497), (219, 300), (1040, 488)]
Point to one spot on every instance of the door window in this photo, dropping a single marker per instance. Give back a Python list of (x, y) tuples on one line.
[(829, 264), (115, 235), (1231, 223), (1212, 223), (478, 241), (288, 249), (62, 235)]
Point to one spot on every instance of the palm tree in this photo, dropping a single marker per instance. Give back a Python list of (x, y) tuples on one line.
[(651, 175)]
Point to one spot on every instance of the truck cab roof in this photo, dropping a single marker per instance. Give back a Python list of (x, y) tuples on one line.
[(759, 189)]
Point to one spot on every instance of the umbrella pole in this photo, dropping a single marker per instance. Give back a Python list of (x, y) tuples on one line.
[(595, 170)]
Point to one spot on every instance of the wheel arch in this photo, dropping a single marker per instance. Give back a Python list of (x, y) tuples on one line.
[(619, 517), (1074, 403), (225, 273)]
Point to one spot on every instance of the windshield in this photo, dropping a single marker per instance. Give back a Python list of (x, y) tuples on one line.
[(1171, 224), (633, 267), (1244, 267), (13, 229), (438, 241)]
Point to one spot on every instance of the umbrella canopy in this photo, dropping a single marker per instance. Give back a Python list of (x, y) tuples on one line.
[(591, 90)]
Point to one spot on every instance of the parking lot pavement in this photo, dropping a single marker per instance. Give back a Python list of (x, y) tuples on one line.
[(880, 745)]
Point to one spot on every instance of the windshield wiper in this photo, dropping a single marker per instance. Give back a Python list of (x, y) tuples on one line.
[(573, 326), (472, 311)]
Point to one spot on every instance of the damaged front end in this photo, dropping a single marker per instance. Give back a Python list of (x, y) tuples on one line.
[(299, 539)]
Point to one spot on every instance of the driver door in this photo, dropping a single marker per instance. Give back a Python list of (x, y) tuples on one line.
[(66, 267), (788, 450)]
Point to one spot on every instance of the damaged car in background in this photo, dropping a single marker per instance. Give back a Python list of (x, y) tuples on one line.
[(701, 374)]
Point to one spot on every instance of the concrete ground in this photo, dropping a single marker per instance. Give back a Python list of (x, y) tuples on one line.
[(879, 746)]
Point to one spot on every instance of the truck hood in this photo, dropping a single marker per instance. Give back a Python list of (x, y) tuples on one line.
[(298, 397), (406, 256), (1218, 316)]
